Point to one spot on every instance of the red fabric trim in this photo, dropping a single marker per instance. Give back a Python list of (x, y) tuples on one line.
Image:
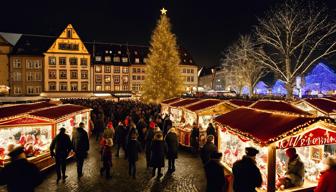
[(15, 110), (326, 105), (57, 112), (280, 106), (185, 102)]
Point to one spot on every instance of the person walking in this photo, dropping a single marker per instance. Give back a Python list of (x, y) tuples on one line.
[(121, 133), (167, 124), (20, 175), (172, 148), (194, 138), (80, 143), (148, 142), (246, 174), (100, 126), (212, 131), (158, 149), (327, 182), (60, 148), (208, 148), (106, 156), (214, 171), (133, 148)]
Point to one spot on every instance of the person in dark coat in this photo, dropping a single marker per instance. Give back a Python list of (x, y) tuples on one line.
[(148, 142), (121, 133), (194, 138), (133, 148), (214, 171), (142, 128), (246, 174), (212, 131), (100, 126), (60, 148), (80, 143), (167, 124), (158, 149), (20, 175), (172, 147), (106, 156), (208, 148)]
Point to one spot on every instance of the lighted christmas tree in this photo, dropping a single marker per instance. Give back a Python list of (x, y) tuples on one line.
[(163, 79)]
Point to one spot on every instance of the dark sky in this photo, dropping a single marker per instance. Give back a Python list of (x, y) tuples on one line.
[(204, 27)]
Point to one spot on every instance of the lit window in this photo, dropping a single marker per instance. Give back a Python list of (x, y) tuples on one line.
[(119, 52), (63, 74), (98, 69), (98, 79), (73, 74), (116, 69), (17, 63), (63, 86), (29, 64), (124, 59), (52, 86), (73, 61), (98, 58), (74, 86), (98, 87), (125, 79), (107, 78), (85, 86), (116, 59), (108, 59), (52, 74), (62, 60), (107, 69), (117, 87), (107, 88), (116, 79), (137, 60), (84, 74), (125, 69), (52, 60), (83, 61)]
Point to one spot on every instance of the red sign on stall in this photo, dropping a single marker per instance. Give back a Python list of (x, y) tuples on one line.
[(23, 121), (317, 136)]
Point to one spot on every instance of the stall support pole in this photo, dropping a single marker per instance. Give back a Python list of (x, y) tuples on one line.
[(271, 167)]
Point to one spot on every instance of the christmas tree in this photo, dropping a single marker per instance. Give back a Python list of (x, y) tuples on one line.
[(163, 79)]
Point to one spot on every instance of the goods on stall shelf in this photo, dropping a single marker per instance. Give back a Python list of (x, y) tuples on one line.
[(313, 138), (35, 129)]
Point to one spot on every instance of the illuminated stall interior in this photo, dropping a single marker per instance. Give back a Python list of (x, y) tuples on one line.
[(176, 113), (313, 138), (165, 104), (318, 106)]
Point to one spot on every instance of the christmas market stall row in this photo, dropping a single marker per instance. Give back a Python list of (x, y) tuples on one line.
[(33, 126), (271, 132)]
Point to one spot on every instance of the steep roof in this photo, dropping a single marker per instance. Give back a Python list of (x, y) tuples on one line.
[(279, 106), (15, 110), (32, 45)]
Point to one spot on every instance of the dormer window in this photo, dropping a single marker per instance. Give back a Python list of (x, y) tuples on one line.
[(119, 52), (106, 52), (116, 59), (110, 51), (135, 53), (137, 60), (98, 58), (107, 59), (124, 59), (69, 33)]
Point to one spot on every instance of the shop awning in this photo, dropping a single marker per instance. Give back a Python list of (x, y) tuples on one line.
[(58, 111), (185, 102), (278, 106), (263, 127)]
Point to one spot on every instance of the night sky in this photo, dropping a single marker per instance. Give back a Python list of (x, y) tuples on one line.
[(205, 28)]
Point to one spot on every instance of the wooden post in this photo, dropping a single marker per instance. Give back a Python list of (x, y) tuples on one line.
[(271, 168)]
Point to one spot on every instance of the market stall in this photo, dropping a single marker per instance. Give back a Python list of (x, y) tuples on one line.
[(202, 114), (240, 103), (35, 129), (278, 106), (165, 105), (176, 111), (313, 138), (318, 106)]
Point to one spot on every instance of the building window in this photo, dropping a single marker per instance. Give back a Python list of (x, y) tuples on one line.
[(73, 74), (83, 61), (107, 78), (125, 69), (191, 79), (98, 79), (108, 59), (73, 61), (107, 69), (142, 77), (63, 74), (125, 79), (116, 69), (143, 70), (38, 76), (137, 60), (52, 60), (98, 58), (63, 86), (84, 74), (136, 87), (98, 69), (117, 87), (133, 70), (30, 76), (17, 76), (116, 79), (17, 63), (107, 88), (125, 88), (29, 64), (134, 77), (116, 59), (145, 60), (17, 90), (69, 33), (138, 70), (85, 86), (52, 86), (124, 59), (98, 87), (184, 71), (37, 89), (74, 86), (62, 60), (52, 74), (68, 46), (138, 77), (191, 70), (188, 70)]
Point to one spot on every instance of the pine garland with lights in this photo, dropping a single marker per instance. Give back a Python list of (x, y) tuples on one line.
[(163, 78)]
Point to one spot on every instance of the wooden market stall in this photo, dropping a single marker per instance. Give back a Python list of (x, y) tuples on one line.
[(278, 106), (165, 105), (271, 133), (318, 106), (176, 112), (202, 114), (35, 129)]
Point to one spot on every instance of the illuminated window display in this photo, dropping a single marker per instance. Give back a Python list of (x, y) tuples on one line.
[(73, 122)]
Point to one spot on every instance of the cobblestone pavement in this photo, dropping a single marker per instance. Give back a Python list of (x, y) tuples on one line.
[(188, 177)]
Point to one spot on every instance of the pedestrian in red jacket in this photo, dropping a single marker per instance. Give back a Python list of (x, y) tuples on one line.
[(327, 180)]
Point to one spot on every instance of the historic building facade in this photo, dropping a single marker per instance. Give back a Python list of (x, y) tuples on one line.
[(5, 49)]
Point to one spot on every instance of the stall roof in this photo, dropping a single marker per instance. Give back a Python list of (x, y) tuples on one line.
[(203, 104), (322, 104), (172, 100), (240, 103), (14, 110), (279, 106), (58, 111), (261, 126), (184, 102)]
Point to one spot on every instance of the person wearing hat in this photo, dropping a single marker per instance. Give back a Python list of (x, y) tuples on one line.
[(148, 142), (246, 174), (133, 148), (208, 148), (60, 148), (214, 171), (80, 144), (172, 146), (294, 175), (20, 175), (106, 156)]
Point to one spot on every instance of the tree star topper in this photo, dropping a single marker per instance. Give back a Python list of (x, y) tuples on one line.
[(163, 11)]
